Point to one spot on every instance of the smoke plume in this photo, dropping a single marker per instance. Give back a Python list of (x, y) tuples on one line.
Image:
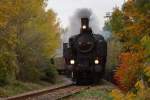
[(75, 23)]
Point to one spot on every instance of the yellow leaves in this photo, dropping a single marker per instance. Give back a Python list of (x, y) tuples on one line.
[(131, 10), (145, 38), (130, 96), (142, 90), (117, 95), (145, 41), (141, 94), (147, 71), (3, 22), (139, 85), (135, 29), (6, 10)]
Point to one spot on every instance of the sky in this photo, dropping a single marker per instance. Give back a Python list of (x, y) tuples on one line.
[(66, 8)]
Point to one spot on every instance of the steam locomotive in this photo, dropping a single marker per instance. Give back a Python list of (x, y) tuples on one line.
[(85, 55)]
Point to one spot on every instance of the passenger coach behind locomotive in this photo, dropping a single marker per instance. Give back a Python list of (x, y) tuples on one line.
[(85, 54)]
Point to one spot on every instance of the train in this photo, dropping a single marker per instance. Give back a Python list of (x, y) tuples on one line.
[(85, 55)]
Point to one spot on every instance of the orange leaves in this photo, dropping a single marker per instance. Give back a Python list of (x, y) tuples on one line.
[(136, 29), (128, 70)]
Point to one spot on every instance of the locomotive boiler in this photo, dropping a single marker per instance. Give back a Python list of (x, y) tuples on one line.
[(85, 55)]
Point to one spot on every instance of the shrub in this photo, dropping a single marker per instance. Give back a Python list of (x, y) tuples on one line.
[(3, 76), (129, 70), (141, 89), (114, 48), (141, 94), (29, 73), (8, 67), (50, 73)]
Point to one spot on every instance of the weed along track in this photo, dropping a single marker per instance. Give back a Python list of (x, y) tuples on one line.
[(99, 91)]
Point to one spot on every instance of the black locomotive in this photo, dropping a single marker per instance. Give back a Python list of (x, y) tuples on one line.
[(85, 55)]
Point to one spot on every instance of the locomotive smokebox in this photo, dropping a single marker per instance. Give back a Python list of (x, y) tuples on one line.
[(84, 23)]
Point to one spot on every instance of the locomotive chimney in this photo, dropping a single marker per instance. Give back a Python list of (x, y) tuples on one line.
[(85, 26), (84, 23)]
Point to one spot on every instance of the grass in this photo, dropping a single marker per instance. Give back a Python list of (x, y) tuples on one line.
[(96, 93), (18, 87)]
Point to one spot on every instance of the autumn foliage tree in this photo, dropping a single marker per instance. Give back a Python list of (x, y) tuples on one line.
[(131, 26), (29, 36)]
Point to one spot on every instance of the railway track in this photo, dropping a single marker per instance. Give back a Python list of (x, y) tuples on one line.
[(55, 93), (50, 94)]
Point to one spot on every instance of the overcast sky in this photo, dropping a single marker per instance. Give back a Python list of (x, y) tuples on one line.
[(66, 8)]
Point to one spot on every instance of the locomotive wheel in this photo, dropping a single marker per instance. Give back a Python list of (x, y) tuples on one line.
[(75, 77), (96, 77), (78, 78), (103, 73), (78, 82), (68, 73)]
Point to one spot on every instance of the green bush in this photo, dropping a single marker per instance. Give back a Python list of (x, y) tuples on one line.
[(29, 73), (50, 73), (3, 76), (8, 67)]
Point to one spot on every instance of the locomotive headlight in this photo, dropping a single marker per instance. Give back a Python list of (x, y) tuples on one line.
[(96, 61), (72, 62), (84, 26)]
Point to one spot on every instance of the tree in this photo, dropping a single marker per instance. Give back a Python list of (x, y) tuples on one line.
[(130, 26), (28, 38)]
